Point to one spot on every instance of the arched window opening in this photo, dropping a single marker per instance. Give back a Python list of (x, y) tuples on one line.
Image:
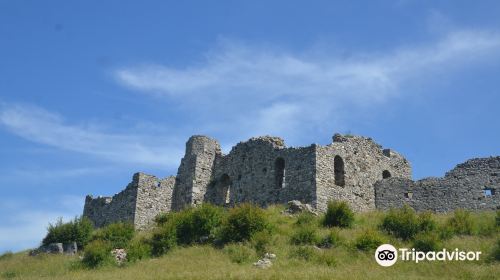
[(225, 189), (338, 168), (279, 173), (386, 174)]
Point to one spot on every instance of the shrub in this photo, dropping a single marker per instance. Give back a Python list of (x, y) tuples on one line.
[(242, 222), (6, 255), (495, 254), (138, 250), (97, 253), (304, 236), (461, 222), (402, 223), (198, 225), (332, 239), (261, 241), (78, 230), (306, 253), (305, 218), (162, 218), (427, 242), (497, 219), (118, 235), (338, 214), (426, 222), (445, 232), (239, 253), (368, 240), (326, 257), (163, 239)]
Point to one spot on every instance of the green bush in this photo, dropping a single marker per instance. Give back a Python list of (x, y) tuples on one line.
[(78, 230), (326, 257), (332, 239), (239, 253), (402, 223), (497, 219), (6, 255), (338, 214), (242, 222), (118, 235), (428, 241), (461, 222), (97, 253), (426, 222), (305, 236), (261, 242), (138, 250), (162, 218), (163, 239), (306, 253), (368, 240), (198, 225), (495, 254), (306, 218)]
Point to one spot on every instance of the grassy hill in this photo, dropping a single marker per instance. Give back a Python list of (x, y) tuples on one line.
[(305, 249)]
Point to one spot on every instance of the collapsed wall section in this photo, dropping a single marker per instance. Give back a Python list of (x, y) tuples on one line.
[(471, 185), (143, 198), (106, 210), (348, 168), (263, 171)]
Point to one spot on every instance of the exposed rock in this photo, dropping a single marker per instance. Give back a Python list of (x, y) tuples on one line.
[(295, 206), (263, 263), (120, 255), (56, 248), (70, 248), (270, 256)]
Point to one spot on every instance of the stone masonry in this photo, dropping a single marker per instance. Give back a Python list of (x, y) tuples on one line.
[(265, 171), (472, 185)]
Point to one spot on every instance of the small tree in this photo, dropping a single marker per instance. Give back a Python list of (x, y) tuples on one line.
[(242, 222), (78, 230)]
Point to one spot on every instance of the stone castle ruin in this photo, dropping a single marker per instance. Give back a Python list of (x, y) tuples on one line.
[(265, 171)]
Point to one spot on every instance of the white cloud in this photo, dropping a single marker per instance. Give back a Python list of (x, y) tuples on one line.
[(41, 126), (24, 227), (244, 90)]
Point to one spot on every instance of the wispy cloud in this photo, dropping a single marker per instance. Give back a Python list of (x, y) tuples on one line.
[(41, 126), (24, 227), (257, 90)]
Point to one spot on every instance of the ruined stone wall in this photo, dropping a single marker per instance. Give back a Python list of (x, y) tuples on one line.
[(195, 171), (154, 196), (462, 187), (119, 208), (364, 163), (144, 198), (263, 171)]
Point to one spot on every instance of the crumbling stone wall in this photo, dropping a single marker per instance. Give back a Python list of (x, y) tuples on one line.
[(472, 185), (144, 198), (263, 171), (364, 163), (106, 210), (154, 196), (195, 171)]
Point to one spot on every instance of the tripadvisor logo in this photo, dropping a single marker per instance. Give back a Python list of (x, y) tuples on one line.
[(387, 255)]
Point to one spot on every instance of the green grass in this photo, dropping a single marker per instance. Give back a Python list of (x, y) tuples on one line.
[(234, 260)]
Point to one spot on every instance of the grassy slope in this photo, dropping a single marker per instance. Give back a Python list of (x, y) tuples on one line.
[(206, 262)]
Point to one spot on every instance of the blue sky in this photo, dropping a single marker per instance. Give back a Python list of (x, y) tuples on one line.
[(93, 91)]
